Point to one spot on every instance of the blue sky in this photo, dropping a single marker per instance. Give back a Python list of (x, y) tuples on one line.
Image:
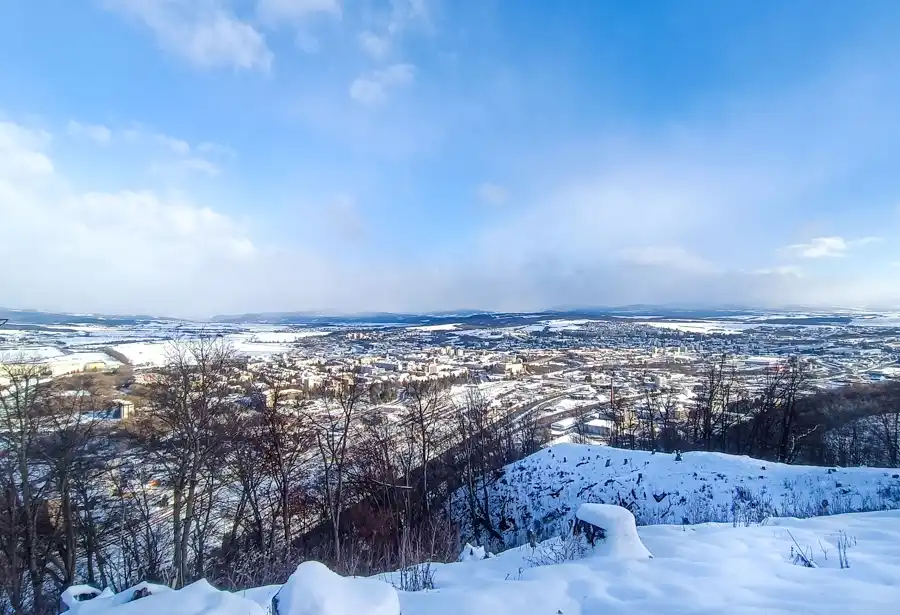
[(192, 157)]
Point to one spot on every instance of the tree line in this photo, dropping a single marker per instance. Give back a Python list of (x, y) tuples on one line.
[(776, 413)]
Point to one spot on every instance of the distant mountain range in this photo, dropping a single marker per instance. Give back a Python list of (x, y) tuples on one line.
[(36, 317), (470, 318)]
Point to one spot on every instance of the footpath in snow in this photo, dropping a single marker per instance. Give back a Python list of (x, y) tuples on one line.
[(823, 566), (542, 492)]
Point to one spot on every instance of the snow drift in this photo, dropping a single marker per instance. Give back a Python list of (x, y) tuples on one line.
[(618, 536), (313, 589), (198, 598), (709, 568), (542, 492)]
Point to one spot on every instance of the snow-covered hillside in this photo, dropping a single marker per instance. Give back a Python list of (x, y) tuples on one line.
[(543, 491), (849, 564)]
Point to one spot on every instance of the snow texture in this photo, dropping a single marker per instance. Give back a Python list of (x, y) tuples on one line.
[(542, 492), (619, 532), (313, 589), (199, 598), (707, 569), (78, 593)]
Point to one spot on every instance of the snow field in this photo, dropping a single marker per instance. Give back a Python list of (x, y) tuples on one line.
[(755, 564), (706, 569)]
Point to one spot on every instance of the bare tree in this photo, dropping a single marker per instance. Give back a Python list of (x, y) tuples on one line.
[(530, 434), (24, 488), (423, 402), (332, 431), (583, 416), (68, 448), (478, 460), (188, 403), (285, 443), (887, 426), (795, 385)]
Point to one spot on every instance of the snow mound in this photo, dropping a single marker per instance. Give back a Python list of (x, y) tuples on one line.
[(313, 589), (198, 598), (76, 594), (618, 536), (470, 553)]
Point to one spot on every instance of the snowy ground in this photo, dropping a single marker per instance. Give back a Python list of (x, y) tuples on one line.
[(450, 326), (542, 492), (702, 570), (883, 320), (701, 326), (146, 354)]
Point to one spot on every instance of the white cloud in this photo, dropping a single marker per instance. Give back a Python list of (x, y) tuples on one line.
[(179, 169), (373, 88), (492, 194), (409, 14), (204, 32), (216, 149), (178, 146), (829, 247), (298, 14), (22, 152), (389, 27), (781, 270), (94, 132), (202, 165), (610, 240), (373, 45), (821, 247), (273, 12), (144, 243), (175, 157)]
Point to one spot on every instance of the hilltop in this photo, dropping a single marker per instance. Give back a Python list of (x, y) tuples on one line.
[(543, 491)]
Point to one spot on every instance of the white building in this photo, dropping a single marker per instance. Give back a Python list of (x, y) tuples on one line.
[(599, 427), (563, 426)]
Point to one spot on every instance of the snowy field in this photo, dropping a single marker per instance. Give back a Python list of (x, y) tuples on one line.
[(882, 320), (543, 491), (146, 354), (29, 353), (825, 566), (145, 344), (705, 327), (450, 326)]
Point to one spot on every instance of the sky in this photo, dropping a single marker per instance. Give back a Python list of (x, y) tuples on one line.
[(199, 157)]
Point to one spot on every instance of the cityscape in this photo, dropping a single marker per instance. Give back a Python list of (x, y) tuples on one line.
[(549, 363)]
